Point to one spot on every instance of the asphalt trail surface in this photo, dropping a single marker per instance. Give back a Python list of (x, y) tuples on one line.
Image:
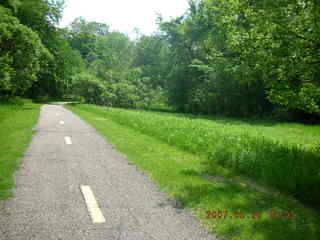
[(48, 203)]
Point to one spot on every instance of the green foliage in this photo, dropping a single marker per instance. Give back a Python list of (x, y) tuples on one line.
[(21, 55), (151, 55), (130, 91), (36, 57), (17, 119), (270, 155), (40, 15), (224, 57), (56, 73), (115, 67), (83, 36), (246, 58), (90, 88), (184, 176), (55, 77)]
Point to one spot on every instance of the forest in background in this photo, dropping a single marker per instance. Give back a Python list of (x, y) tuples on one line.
[(241, 58)]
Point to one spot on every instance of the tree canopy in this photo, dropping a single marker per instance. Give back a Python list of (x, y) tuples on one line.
[(245, 58)]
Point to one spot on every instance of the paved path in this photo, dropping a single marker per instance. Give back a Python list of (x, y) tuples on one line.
[(48, 202)]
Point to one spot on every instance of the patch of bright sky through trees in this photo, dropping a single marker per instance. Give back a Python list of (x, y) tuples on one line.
[(124, 15)]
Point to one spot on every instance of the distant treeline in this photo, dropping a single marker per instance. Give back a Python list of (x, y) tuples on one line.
[(245, 58)]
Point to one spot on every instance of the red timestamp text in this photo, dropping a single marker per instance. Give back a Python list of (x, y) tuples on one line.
[(239, 214)]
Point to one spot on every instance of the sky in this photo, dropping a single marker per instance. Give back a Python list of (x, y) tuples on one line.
[(124, 15)]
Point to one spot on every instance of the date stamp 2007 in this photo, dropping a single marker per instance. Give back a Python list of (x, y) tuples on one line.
[(239, 214)]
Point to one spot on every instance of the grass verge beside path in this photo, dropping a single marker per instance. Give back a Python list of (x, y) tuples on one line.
[(282, 156), (16, 123), (180, 174)]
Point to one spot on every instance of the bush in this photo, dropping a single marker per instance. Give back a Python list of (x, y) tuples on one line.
[(90, 88)]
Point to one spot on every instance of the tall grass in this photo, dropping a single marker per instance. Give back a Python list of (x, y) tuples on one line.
[(184, 176), (290, 165)]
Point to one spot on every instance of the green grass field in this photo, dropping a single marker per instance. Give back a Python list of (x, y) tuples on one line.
[(16, 122), (206, 164)]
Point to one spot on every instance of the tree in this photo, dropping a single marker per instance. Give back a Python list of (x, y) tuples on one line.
[(245, 57), (84, 35), (21, 55), (151, 55)]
